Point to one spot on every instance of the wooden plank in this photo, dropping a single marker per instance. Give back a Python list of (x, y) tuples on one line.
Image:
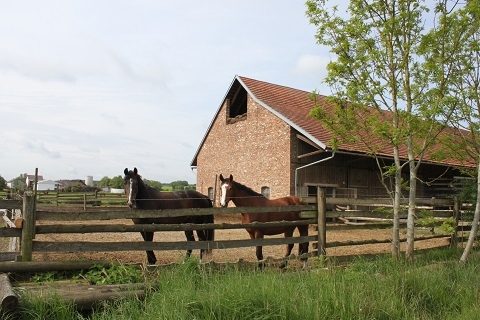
[(84, 246), (371, 214), (7, 220), (308, 214), (8, 256), (11, 204), (136, 214), (386, 201), (10, 232), (88, 228), (376, 241)]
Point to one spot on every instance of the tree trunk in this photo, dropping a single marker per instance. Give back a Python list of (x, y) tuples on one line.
[(396, 207), (476, 219), (409, 253)]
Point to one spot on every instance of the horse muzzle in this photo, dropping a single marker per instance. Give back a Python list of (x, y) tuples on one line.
[(132, 204), (223, 204)]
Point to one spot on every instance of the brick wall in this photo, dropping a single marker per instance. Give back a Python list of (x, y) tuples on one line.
[(256, 151)]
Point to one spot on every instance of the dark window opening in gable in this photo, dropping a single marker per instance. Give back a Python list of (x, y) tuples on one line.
[(237, 106)]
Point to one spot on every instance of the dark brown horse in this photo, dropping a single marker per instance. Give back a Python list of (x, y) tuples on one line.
[(243, 196), (142, 197)]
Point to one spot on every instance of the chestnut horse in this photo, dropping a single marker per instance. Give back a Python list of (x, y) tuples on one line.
[(243, 196), (142, 197)]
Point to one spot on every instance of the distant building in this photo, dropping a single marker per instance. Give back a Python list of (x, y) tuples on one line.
[(30, 180), (46, 185)]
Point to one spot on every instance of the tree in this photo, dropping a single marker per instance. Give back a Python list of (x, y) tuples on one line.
[(104, 182), (154, 184), (179, 185), (116, 182), (464, 88), (3, 183), (379, 67)]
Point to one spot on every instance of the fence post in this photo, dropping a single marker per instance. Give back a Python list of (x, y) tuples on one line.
[(322, 220), (84, 202), (28, 227), (456, 216)]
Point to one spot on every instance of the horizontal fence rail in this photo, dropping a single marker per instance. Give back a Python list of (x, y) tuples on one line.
[(71, 222)]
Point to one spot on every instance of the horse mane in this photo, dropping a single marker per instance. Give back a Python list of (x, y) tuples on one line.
[(248, 190)]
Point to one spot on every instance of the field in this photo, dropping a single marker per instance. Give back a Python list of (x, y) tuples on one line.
[(434, 287)]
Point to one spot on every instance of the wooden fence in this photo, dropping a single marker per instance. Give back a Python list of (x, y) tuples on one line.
[(315, 213)]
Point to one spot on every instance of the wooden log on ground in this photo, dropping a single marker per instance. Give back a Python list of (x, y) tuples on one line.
[(8, 298), (85, 296), (45, 266)]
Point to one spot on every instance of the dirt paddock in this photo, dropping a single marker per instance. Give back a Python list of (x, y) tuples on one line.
[(220, 255)]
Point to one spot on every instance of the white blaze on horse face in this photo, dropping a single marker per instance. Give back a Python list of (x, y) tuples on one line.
[(130, 192), (224, 194)]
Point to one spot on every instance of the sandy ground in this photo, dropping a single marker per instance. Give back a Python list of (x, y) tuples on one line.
[(225, 255)]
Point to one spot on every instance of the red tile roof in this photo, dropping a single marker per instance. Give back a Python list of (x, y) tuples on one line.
[(294, 105)]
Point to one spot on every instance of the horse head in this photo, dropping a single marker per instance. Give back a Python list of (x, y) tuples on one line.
[(226, 187), (130, 185)]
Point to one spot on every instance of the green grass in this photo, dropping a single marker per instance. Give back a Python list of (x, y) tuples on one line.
[(379, 289)]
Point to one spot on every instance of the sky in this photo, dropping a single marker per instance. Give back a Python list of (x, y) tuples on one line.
[(88, 88)]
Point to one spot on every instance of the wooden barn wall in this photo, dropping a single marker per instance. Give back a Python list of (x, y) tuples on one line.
[(360, 174)]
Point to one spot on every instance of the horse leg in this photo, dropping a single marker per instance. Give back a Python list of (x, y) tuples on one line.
[(288, 234), (209, 233), (190, 237), (201, 237), (259, 250), (148, 236), (303, 247)]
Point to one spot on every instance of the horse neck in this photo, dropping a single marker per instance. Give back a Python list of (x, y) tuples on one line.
[(245, 199), (144, 191)]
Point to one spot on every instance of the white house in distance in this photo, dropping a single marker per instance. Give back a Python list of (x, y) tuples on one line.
[(30, 180), (46, 185)]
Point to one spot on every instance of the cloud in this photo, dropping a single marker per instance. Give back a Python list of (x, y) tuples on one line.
[(90, 88), (309, 65)]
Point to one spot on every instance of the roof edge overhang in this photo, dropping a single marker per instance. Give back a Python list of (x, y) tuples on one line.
[(283, 118)]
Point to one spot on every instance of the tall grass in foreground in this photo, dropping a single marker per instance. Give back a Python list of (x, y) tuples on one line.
[(380, 289)]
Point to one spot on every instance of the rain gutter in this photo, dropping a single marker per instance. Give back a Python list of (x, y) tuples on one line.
[(308, 165)]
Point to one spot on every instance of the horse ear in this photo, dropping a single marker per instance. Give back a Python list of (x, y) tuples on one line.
[(135, 171), (125, 171), (231, 178), (221, 177)]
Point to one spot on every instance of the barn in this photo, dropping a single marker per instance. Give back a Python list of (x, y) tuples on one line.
[(263, 135)]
